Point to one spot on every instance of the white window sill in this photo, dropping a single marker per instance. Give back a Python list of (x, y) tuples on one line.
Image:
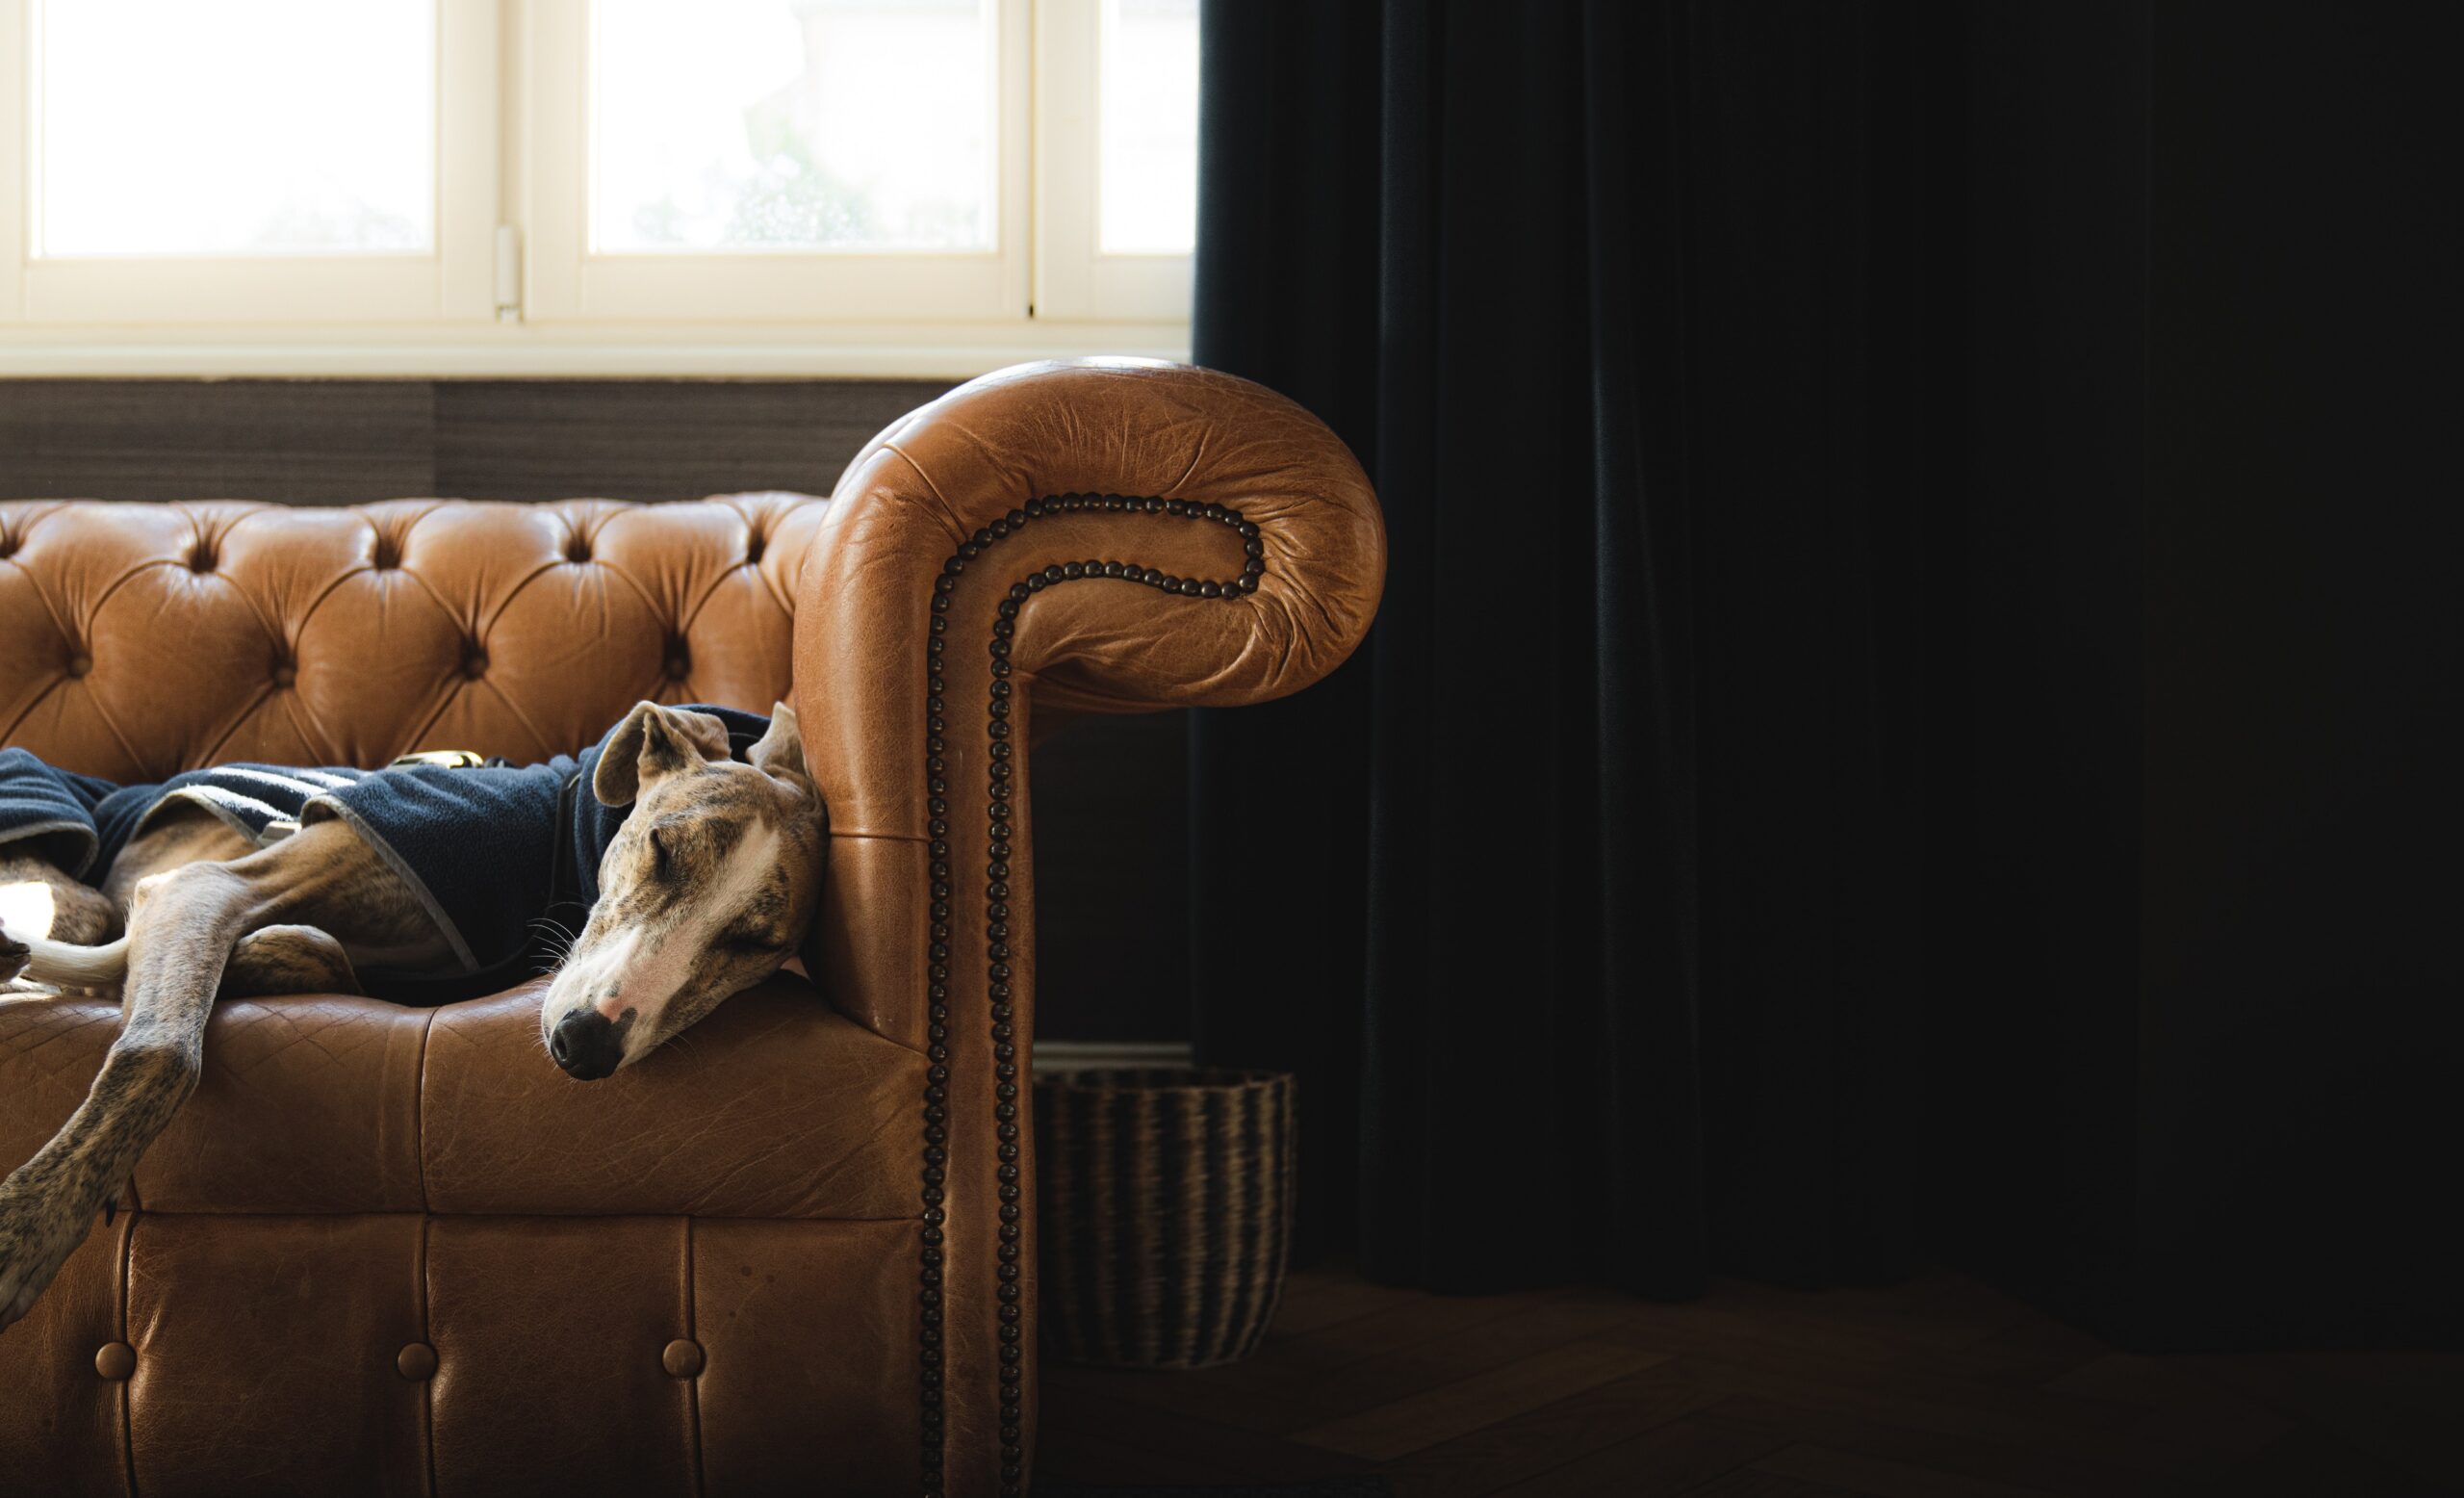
[(518, 350)]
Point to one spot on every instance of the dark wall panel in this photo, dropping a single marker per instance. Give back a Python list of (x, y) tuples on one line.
[(657, 439), (1110, 814), (294, 443)]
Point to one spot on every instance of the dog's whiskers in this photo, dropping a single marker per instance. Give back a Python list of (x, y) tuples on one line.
[(559, 939)]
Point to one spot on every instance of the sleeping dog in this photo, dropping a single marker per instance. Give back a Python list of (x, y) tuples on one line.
[(694, 873)]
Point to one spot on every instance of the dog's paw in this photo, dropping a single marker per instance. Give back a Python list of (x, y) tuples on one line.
[(13, 956), (36, 1238)]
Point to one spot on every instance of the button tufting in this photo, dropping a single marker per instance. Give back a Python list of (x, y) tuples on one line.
[(201, 559), (680, 661), (577, 548), (284, 673), (80, 663), (115, 1361), (474, 660), (7, 546), (753, 550), (386, 555), (681, 1359), (416, 1363)]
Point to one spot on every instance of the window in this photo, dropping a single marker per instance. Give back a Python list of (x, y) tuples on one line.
[(273, 160), (928, 187), (762, 124), (1148, 173), (216, 163)]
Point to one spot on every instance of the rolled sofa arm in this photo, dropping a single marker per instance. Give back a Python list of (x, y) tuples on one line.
[(1096, 535), (1103, 536), (950, 472)]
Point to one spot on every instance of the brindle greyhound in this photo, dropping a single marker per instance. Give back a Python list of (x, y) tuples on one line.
[(706, 889)]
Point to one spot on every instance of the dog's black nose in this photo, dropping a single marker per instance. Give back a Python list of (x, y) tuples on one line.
[(586, 1045)]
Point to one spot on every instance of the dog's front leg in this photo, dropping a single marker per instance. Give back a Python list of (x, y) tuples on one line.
[(181, 935)]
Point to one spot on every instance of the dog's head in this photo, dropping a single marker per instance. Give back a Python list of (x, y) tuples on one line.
[(706, 891)]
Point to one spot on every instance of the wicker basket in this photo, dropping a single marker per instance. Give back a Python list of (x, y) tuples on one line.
[(1165, 1201)]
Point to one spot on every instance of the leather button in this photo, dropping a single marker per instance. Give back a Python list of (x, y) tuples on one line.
[(116, 1360), (474, 662), (81, 663), (682, 1360), (416, 1363), (284, 673)]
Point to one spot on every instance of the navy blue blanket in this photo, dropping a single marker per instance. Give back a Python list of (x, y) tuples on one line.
[(500, 855)]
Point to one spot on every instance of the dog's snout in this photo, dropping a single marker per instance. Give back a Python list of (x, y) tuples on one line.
[(586, 1045)]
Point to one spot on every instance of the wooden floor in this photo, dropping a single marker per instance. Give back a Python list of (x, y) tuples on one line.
[(1938, 1389)]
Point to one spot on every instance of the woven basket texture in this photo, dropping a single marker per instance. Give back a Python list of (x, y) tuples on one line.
[(1163, 1198)]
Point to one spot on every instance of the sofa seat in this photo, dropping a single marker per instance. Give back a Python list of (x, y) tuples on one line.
[(640, 1286), (774, 1106)]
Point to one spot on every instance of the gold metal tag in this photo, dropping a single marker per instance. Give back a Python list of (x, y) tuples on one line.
[(450, 759)]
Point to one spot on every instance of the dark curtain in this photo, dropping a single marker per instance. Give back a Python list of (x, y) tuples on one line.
[(1585, 900)]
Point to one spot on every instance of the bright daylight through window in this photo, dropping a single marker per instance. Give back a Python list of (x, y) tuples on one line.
[(819, 186), (794, 124), (161, 128), (1150, 177)]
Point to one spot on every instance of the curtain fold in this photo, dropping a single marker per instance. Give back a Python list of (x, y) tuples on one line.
[(1585, 901)]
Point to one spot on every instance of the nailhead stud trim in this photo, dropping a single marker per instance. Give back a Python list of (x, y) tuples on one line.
[(997, 918)]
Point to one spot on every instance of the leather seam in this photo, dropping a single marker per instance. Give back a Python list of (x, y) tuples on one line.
[(293, 638), (419, 1122), (444, 696), (427, 1328), (37, 700), (239, 720), (33, 580), (127, 1405), (428, 1334), (693, 1384), (126, 747), (546, 750)]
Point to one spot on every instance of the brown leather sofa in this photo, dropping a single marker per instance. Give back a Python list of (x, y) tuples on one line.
[(394, 1250)]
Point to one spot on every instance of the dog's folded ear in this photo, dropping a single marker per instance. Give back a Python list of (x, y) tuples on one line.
[(782, 749), (651, 742)]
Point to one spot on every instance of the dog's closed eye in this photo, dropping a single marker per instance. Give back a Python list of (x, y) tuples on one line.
[(760, 939)]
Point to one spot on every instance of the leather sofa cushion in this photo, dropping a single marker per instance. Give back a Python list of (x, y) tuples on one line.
[(347, 636), (270, 1357), (774, 1106)]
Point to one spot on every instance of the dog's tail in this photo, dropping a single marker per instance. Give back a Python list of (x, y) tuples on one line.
[(66, 967)]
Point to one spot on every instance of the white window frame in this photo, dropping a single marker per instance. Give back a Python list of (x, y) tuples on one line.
[(1074, 278), (449, 280), (511, 291)]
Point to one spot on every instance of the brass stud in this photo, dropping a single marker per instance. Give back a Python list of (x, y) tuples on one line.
[(681, 1359)]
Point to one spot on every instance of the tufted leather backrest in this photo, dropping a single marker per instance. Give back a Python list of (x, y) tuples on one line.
[(138, 640)]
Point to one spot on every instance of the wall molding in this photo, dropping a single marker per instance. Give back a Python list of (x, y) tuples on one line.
[(532, 350)]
